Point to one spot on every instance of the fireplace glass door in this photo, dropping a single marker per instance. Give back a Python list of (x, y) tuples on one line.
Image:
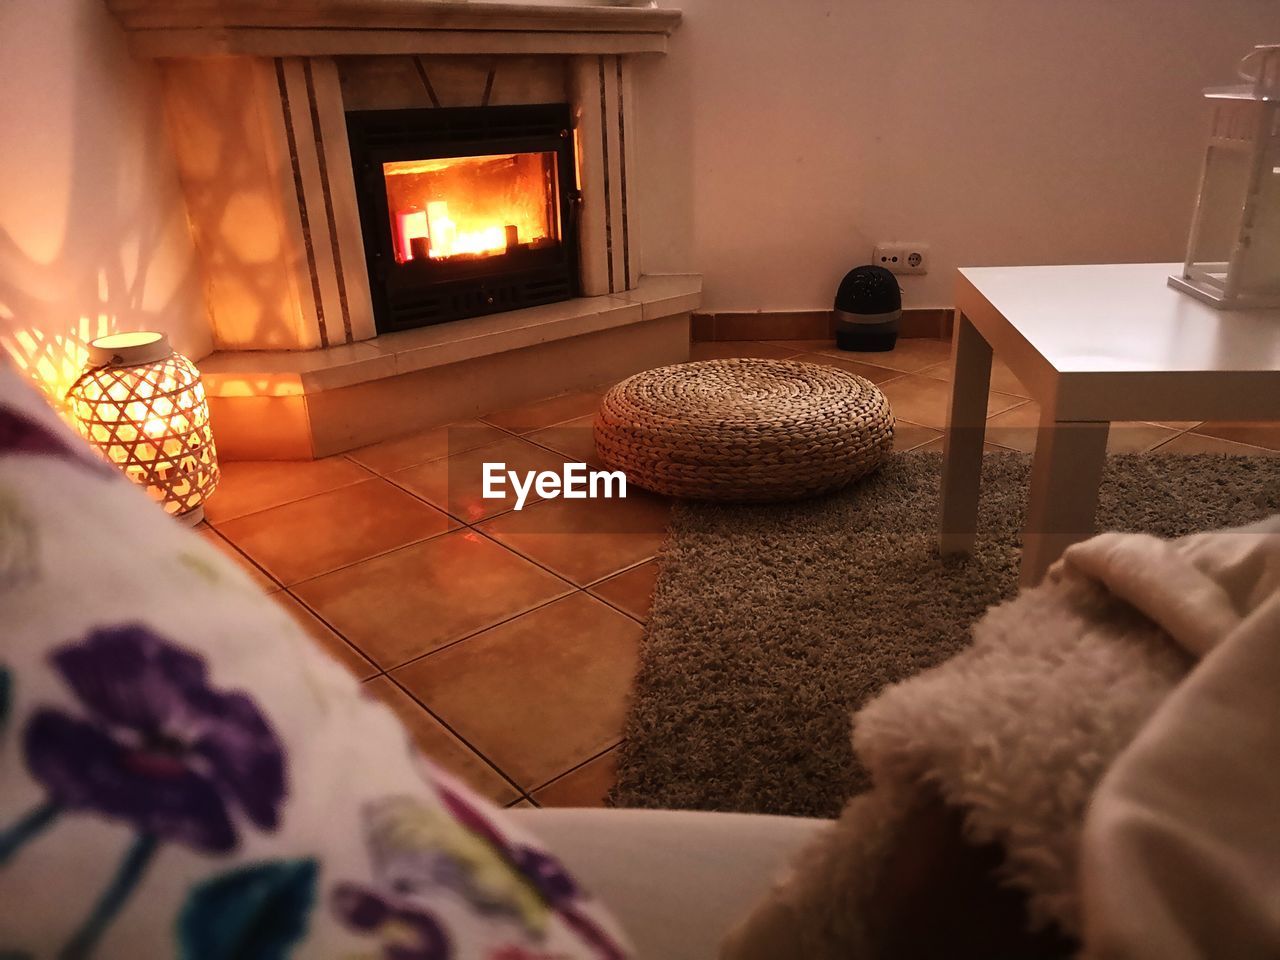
[(473, 207), (465, 211)]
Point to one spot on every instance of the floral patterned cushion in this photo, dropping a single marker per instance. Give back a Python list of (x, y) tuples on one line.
[(184, 774)]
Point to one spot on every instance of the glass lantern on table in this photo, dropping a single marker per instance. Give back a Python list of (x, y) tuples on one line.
[(1233, 256)]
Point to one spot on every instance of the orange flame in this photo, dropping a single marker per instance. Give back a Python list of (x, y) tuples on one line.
[(471, 206)]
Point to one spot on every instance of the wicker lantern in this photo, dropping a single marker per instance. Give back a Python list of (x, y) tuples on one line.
[(143, 407), (1233, 256)]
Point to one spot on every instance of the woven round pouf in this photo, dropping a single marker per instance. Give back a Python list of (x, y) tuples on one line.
[(744, 430)]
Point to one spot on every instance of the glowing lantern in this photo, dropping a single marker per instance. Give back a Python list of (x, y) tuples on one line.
[(1233, 257), (143, 407)]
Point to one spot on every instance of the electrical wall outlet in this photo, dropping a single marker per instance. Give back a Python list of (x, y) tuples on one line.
[(901, 257)]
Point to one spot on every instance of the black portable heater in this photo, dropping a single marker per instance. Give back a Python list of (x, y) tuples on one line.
[(868, 308)]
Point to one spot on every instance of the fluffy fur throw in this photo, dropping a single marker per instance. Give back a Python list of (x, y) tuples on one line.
[(1000, 750)]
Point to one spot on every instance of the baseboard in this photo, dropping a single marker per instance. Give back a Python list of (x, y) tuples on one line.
[(808, 325)]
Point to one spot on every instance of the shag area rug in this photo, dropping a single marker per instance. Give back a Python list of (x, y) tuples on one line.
[(771, 624)]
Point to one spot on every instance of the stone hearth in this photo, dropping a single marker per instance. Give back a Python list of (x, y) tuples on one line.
[(289, 405)]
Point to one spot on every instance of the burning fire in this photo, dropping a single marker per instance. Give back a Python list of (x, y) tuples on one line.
[(470, 206), (443, 237)]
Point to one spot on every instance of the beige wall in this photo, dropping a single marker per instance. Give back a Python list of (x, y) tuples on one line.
[(782, 138), (93, 231), (779, 139)]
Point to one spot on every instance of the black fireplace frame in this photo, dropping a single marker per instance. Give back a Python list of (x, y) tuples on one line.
[(417, 294)]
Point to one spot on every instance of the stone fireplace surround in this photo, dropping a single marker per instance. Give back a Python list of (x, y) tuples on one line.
[(256, 95)]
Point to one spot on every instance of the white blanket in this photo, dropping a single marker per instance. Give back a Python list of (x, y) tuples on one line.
[(1181, 848)]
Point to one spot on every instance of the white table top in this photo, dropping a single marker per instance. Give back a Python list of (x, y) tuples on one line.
[(1114, 341), (1124, 316)]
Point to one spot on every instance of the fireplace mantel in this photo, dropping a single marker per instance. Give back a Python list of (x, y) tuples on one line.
[(294, 28)]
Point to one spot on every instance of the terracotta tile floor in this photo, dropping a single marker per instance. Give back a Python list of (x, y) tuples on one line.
[(506, 640)]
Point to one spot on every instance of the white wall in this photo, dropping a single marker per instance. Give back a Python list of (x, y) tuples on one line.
[(781, 138), (93, 231)]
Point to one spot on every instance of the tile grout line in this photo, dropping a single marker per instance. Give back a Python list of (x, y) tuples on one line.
[(551, 449), (578, 766), (336, 632), (459, 737), (541, 566), (644, 622), (1252, 450), (858, 358), (538, 563), (1160, 443), (418, 658), (248, 559), (546, 426), (615, 607), (617, 573), (310, 496), (283, 589), (503, 622), (444, 509), (1241, 443), (374, 556), (420, 463), (435, 506)]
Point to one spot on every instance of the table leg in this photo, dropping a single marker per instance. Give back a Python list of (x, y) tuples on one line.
[(1065, 474), (962, 443)]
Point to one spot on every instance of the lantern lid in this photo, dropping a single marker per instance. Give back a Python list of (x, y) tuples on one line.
[(129, 349), (1260, 68)]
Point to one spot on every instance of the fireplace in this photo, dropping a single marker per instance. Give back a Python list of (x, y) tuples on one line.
[(302, 136), (465, 211)]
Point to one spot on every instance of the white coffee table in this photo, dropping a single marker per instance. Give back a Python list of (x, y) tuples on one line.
[(1091, 344)]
